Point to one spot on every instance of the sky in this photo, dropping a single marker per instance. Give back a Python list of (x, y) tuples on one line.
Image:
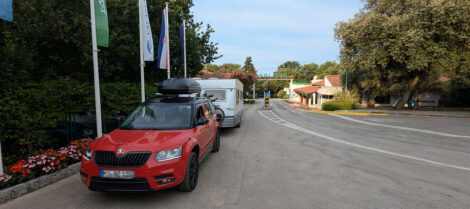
[(275, 31)]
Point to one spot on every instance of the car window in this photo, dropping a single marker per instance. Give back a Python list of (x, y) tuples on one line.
[(159, 116), (208, 109), (219, 95)]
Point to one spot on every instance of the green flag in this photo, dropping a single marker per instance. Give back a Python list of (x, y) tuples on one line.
[(101, 15)]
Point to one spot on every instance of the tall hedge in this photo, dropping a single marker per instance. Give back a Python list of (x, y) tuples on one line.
[(27, 111)]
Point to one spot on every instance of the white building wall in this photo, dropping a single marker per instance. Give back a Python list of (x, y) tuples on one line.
[(327, 82), (295, 97)]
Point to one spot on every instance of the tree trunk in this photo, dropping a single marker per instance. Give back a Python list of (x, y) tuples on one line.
[(371, 102), (404, 99), (365, 100)]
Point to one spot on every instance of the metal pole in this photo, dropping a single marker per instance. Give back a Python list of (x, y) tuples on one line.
[(168, 36), (184, 47), (99, 131), (290, 89), (346, 80), (142, 63), (1, 162)]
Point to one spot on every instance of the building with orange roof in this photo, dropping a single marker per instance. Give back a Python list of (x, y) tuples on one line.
[(319, 91)]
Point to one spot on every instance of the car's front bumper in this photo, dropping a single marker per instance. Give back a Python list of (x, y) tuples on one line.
[(151, 176)]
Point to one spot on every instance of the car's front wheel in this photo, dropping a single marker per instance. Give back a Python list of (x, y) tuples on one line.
[(192, 172)]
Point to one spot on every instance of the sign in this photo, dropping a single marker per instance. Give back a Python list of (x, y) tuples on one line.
[(267, 96), (275, 75)]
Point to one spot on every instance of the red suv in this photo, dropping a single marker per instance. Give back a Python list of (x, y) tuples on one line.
[(160, 145)]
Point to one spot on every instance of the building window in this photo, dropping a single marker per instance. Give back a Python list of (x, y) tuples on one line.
[(217, 94)]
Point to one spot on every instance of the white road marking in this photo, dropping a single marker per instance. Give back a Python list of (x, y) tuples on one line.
[(381, 120), (268, 114), (401, 127)]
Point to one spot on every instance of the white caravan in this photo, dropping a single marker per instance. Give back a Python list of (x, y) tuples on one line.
[(228, 95)]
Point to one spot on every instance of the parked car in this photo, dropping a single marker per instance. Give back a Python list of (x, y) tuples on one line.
[(160, 145), (228, 95)]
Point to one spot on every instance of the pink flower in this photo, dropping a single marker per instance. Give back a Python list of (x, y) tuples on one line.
[(44, 169)]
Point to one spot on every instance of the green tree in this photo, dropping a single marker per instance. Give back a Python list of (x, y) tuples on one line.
[(327, 68), (291, 65), (248, 67), (50, 39), (306, 72), (405, 44), (224, 68)]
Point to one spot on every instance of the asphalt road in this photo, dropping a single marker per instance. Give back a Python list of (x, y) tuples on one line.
[(286, 158)]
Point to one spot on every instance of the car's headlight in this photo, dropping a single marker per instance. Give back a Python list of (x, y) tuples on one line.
[(169, 154), (88, 154)]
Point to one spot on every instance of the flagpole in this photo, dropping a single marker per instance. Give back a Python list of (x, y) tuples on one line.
[(142, 63), (167, 31), (184, 47), (99, 131)]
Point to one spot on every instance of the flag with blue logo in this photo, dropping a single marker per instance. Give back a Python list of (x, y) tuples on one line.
[(164, 43), (6, 10), (147, 40)]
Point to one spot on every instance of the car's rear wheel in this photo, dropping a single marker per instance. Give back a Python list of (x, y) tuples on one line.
[(216, 145), (192, 172)]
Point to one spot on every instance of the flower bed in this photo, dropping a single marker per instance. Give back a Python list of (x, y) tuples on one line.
[(44, 162)]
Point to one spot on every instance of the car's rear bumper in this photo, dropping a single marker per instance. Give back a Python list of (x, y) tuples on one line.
[(151, 176)]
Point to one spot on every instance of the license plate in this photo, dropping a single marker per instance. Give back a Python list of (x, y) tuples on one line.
[(117, 174)]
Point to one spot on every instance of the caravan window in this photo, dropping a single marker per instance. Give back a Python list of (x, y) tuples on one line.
[(219, 94)]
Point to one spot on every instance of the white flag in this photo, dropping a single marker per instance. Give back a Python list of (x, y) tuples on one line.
[(147, 41)]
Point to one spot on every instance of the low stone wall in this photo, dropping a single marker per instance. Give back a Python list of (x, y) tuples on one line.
[(37, 183)]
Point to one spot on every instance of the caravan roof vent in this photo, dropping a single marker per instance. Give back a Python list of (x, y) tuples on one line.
[(179, 86)]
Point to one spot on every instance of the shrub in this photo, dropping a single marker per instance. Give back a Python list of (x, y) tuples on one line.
[(333, 105), (29, 109), (44, 162), (282, 94), (347, 96)]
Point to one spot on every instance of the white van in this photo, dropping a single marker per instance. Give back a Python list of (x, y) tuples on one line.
[(228, 95)]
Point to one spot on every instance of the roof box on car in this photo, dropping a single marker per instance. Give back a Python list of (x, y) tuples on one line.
[(179, 86)]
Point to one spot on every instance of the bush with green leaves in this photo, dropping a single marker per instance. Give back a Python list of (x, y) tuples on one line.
[(347, 96), (29, 110), (334, 105), (282, 94)]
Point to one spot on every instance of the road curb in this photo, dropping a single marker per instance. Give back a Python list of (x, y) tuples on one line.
[(37, 183), (417, 115)]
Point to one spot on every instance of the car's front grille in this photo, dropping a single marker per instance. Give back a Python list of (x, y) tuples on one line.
[(129, 160), (119, 185)]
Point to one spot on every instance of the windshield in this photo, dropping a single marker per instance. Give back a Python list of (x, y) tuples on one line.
[(159, 116)]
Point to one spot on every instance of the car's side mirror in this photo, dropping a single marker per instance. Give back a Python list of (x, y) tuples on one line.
[(219, 117), (202, 121)]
